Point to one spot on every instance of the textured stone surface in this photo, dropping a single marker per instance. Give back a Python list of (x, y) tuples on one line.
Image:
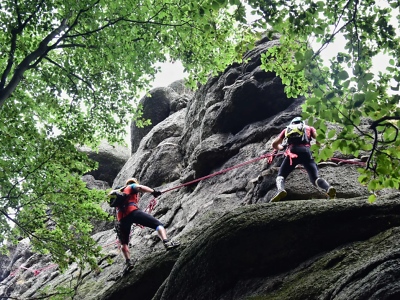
[(110, 158)]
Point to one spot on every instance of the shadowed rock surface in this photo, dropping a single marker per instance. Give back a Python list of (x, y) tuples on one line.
[(110, 158), (157, 106)]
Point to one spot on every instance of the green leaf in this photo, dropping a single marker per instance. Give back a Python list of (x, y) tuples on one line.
[(299, 56), (358, 100), (357, 70), (370, 96), (319, 30), (318, 93), (372, 198), (363, 178), (343, 75), (368, 76), (383, 170), (366, 147), (312, 100), (308, 54), (331, 134)]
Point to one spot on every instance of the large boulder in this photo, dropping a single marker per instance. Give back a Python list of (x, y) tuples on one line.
[(158, 158), (110, 159), (156, 108), (184, 92), (292, 251)]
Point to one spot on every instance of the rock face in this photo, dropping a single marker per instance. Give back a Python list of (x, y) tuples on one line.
[(157, 106), (110, 160), (292, 251), (206, 158)]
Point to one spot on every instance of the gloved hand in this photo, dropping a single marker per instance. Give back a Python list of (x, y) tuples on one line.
[(156, 193)]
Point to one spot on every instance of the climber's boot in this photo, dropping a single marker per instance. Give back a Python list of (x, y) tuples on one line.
[(280, 186), (330, 190)]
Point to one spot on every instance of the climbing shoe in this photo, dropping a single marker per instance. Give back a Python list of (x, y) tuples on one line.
[(331, 192), (171, 244), (279, 196), (128, 267)]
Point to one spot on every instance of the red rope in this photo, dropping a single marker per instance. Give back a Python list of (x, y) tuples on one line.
[(348, 161), (110, 244), (35, 272), (269, 157), (220, 172), (152, 204)]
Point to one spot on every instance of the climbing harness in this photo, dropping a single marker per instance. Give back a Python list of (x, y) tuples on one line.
[(291, 155)]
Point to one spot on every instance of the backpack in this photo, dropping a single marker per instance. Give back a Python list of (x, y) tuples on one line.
[(296, 134), (117, 197)]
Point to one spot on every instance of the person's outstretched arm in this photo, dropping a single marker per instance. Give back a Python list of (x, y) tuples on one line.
[(277, 143), (145, 189)]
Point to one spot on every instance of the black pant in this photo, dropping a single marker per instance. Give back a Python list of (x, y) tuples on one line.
[(136, 217), (305, 158)]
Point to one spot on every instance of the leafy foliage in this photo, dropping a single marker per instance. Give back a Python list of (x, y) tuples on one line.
[(70, 72), (349, 90)]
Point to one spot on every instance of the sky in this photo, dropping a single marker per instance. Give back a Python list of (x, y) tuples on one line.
[(170, 72)]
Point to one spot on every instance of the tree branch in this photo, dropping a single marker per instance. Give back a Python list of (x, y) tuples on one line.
[(14, 34), (75, 46), (123, 19), (335, 31), (25, 64), (72, 74), (373, 126)]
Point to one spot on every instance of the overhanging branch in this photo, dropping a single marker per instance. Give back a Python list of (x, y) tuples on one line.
[(374, 126), (25, 64), (13, 41)]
